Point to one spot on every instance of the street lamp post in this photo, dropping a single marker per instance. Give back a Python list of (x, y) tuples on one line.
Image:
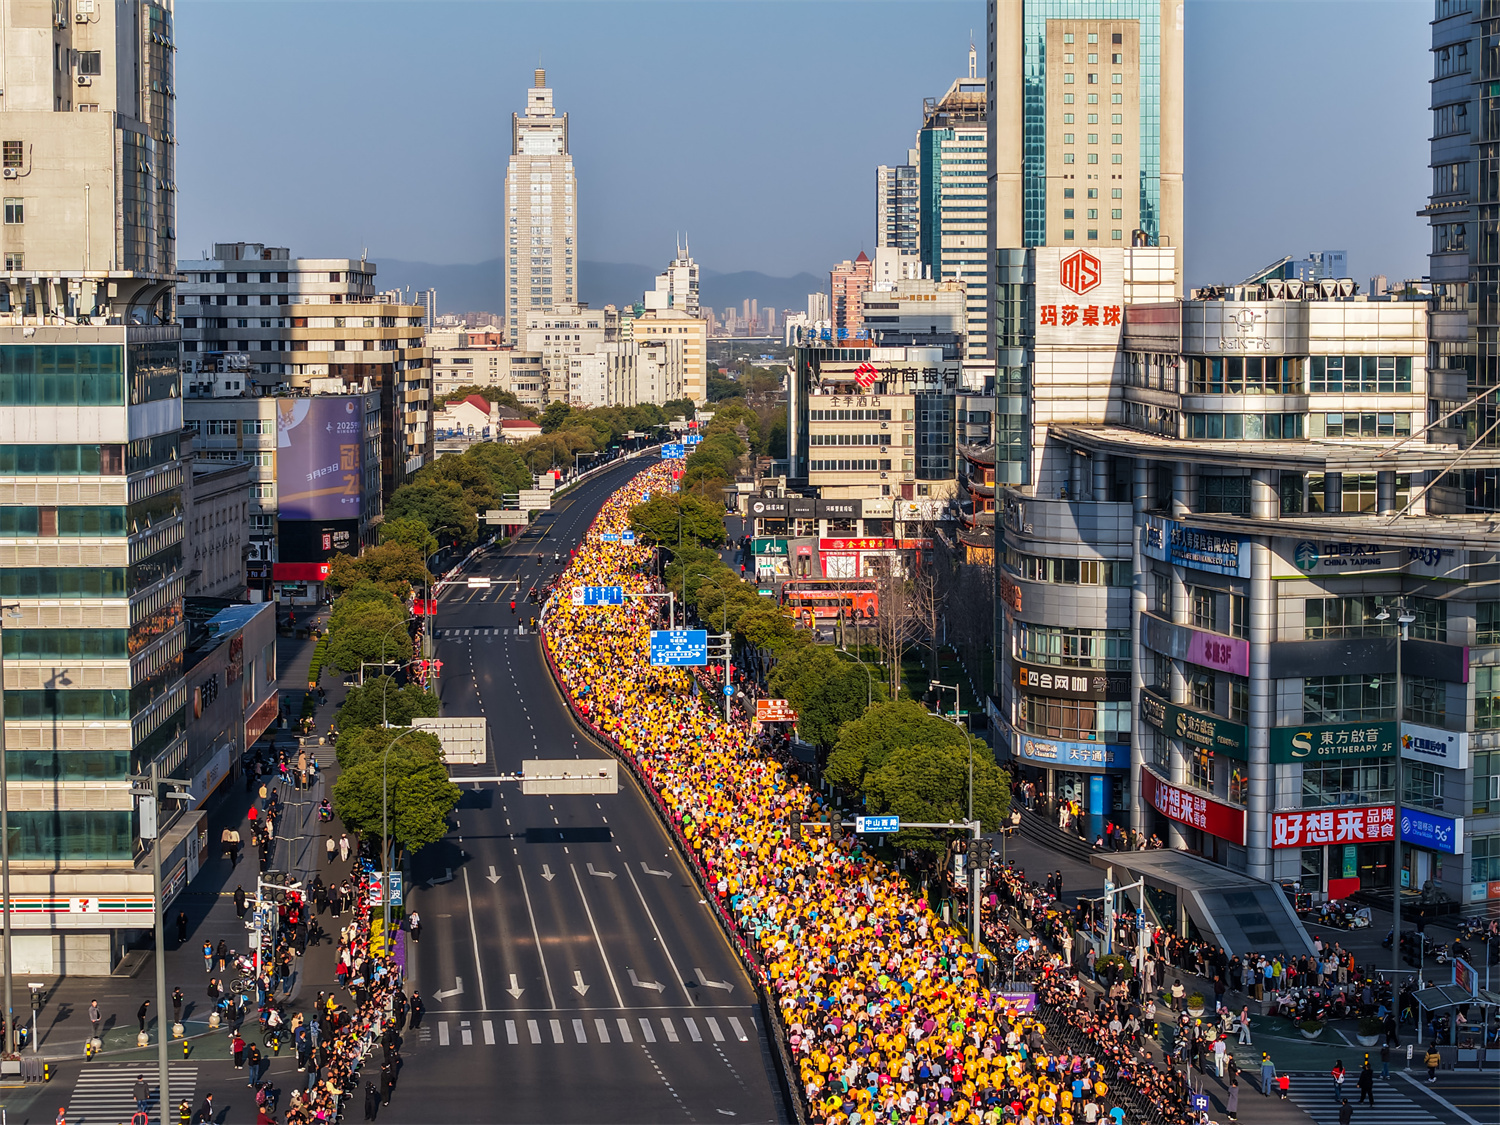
[(935, 685), (1404, 618), (385, 687), (869, 678), (385, 837), (9, 610)]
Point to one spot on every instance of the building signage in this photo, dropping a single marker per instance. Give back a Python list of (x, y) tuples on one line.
[(768, 507), (1010, 593), (1079, 683), (1332, 740), (1298, 557), (1208, 650), (774, 711), (768, 547), (319, 457), (1185, 807), (1079, 296), (1429, 830), (1208, 732), (1194, 547), (838, 509), (1435, 746), (1308, 828), (1055, 752), (875, 544)]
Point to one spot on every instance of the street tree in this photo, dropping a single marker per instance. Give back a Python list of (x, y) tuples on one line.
[(409, 786), (365, 621), (825, 691), (931, 782), (396, 567), (379, 696), (864, 744), (675, 518)]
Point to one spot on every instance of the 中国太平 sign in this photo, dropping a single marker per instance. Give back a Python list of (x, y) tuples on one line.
[(1333, 740)]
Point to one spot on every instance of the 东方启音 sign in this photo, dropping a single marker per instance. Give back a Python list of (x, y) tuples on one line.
[(877, 825), (679, 647)]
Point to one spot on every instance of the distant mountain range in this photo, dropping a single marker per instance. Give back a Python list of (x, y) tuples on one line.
[(477, 287)]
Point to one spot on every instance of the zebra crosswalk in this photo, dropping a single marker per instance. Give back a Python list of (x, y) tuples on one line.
[(501, 631), (102, 1095), (571, 1031), (1313, 1095)]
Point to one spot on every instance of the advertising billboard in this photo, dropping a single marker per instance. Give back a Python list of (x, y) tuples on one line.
[(319, 461)]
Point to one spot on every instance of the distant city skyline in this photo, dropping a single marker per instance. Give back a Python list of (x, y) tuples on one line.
[(1264, 177)]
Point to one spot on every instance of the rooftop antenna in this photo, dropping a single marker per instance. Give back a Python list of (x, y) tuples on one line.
[(973, 56)]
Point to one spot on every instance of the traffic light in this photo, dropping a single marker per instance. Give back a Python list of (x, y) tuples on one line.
[(981, 855), (835, 827)]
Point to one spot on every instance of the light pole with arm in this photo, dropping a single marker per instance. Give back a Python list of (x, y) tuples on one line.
[(385, 687), (958, 722), (427, 611), (1404, 618), (10, 610)]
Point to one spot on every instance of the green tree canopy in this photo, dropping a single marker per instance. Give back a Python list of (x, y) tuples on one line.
[(360, 743), (825, 691), (407, 791), (931, 783), (362, 706), (410, 531), (363, 615), (395, 567), (864, 744), (436, 502), (555, 415), (657, 520)]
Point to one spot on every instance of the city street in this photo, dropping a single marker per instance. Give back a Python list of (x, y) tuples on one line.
[(571, 969)]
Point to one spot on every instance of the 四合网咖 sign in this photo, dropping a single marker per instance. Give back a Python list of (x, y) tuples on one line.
[(1306, 828), (1072, 683)]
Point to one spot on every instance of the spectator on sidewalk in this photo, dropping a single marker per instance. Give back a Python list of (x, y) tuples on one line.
[(96, 1017), (142, 1012)]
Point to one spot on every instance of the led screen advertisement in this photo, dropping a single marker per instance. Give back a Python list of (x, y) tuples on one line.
[(319, 462)]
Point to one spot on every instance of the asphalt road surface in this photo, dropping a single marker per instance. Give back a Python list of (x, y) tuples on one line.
[(570, 968)]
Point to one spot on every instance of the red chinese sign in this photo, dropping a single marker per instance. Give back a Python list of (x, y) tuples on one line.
[(1306, 828), (866, 375), (874, 544), (774, 711), (1085, 316), (1080, 272), (1185, 807)]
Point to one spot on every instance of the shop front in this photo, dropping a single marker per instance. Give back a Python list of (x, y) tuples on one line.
[(1211, 827), (1082, 785), (1427, 838)]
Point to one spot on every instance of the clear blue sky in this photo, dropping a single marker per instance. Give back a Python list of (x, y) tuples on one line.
[(755, 126)]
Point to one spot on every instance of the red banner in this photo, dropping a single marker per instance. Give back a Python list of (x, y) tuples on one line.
[(299, 572), (1186, 807), (774, 711), (1307, 828)]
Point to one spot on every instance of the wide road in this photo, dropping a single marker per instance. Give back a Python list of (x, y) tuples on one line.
[(571, 970)]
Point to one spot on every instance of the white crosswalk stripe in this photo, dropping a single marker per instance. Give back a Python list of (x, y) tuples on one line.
[(1313, 1095), (662, 1029), (103, 1096)]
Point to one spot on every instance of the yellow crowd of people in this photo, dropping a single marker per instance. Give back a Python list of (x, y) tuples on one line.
[(884, 1013)]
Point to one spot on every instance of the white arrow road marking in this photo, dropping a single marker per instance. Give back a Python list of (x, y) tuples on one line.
[(492, 877), (635, 980), (602, 874), (578, 985), (445, 993), (448, 878), (547, 873), (648, 871), (706, 983), (515, 988)]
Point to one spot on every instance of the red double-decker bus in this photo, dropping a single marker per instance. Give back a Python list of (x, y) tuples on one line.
[(819, 601)]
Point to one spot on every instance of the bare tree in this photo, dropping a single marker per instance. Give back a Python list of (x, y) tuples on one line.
[(899, 621)]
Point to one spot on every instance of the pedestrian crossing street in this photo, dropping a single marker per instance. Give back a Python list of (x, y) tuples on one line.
[(1313, 1095), (568, 1031), (102, 1095), (506, 631)]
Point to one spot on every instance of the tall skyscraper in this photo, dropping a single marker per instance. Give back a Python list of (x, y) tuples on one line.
[(896, 223), (540, 212), (953, 212), (1085, 123), (91, 491)]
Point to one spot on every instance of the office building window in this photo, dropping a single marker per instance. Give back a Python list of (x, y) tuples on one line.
[(1348, 699), (15, 211), (1426, 700), (1484, 858), (1487, 623), (1229, 495), (1325, 784), (89, 62), (1487, 696)]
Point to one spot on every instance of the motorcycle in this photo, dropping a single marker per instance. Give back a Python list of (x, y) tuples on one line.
[(325, 811)]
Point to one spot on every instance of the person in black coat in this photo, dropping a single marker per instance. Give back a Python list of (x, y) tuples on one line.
[(417, 1008), (240, 902), (372, 1101)]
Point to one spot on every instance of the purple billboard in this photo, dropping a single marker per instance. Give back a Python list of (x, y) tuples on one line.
[(319, 462)]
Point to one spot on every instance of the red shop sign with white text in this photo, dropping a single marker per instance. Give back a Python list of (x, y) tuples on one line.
[(1186, 807), (1307, 828)]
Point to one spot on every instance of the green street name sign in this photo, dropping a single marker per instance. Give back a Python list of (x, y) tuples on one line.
[(1317, 742), (768, 546), (1219, 736)]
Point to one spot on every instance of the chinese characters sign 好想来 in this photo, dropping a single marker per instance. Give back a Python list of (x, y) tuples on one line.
[(1185, 807), (1305, 828)]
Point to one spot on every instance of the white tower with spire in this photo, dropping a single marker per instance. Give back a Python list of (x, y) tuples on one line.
[(677, 288), (541, 213)]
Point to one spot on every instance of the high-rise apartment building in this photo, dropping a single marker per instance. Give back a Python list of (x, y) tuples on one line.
[(677, 286), (896, 221), (953, 213), (848, 282), (540, 212), (673, 324), (91, 487)]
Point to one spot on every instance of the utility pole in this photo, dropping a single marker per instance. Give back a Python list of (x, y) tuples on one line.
[(12, 609), (1404, 618)]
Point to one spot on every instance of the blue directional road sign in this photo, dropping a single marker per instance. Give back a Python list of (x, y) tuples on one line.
[(692, 439), (598, 595), (877, 825), (673, 449), (610, 537), (679, 647), (628, 538)]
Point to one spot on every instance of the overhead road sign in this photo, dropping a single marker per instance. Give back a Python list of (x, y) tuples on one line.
[(464, 738), (679, 647), (598, 595), (692, 439), (546, 777), (673, 449), (536, 499), (507, 517), (877, 825), (479, 583)]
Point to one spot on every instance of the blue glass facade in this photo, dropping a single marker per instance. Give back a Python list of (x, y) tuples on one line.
[(1034, 105)]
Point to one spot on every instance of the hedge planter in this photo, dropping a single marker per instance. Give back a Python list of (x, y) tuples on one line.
[(1311, 1029)]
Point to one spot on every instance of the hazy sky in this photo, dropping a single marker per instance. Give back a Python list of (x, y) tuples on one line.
[(753, 125)]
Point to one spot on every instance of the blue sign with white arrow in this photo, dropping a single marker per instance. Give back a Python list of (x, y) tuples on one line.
[(599, 595), (673, 449), (692, 439), (877, 825), (679, 647)]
